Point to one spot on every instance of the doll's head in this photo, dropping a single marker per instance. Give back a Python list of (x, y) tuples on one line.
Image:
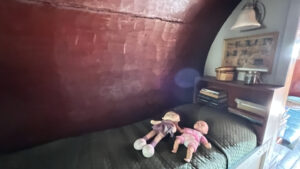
[(201, 126), (172, 116)]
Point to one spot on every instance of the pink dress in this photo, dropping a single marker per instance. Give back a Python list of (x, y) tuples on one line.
[(191, 137)]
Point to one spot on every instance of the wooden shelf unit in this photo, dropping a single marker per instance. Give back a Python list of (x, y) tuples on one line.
[(263, 94)]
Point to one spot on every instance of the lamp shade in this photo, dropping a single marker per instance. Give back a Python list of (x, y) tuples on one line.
[(246, 20)]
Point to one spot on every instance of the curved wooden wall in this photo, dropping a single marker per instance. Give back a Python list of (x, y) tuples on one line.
[(74, 66)]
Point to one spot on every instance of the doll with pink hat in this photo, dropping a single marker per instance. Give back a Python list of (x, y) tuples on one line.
[(168, 125), (191, 138)]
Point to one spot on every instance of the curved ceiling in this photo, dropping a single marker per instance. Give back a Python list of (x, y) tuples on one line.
[(73, 66)]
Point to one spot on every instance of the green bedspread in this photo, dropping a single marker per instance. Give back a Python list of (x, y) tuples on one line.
[(231, 139), (230, 134)]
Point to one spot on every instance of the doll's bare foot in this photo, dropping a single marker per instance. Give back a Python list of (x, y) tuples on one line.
[(187, 160), (207, 145), (174, 151)]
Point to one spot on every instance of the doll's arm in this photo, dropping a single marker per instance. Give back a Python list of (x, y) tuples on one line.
[(178, 128), (207, 145), (154, 122), (174, 129), (205, 142)]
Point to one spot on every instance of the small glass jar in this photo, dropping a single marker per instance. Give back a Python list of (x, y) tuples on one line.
[(252, 77)]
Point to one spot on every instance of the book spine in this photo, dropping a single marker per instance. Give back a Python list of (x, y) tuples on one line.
[(217, 104), (211, 103), (220, 100), (213, 95), (209, 94), (243, 115), (202, 100), (251, 107), (210, 91)]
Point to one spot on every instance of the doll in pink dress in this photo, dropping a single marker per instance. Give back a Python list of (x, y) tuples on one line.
[(191, 138)]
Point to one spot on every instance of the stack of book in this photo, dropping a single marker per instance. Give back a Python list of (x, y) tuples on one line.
[(253, 118), (212, 97)]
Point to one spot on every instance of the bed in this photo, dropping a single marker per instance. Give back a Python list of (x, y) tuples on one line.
[(232, 139)]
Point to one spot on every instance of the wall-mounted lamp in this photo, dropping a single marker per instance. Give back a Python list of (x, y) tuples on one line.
[(251, 17)]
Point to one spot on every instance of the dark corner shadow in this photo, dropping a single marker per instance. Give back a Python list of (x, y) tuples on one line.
[(201, 25)]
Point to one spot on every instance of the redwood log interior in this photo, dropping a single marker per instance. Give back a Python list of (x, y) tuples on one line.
[(73, 66)]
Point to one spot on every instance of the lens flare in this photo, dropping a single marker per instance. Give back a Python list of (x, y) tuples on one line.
[(184, 78)]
